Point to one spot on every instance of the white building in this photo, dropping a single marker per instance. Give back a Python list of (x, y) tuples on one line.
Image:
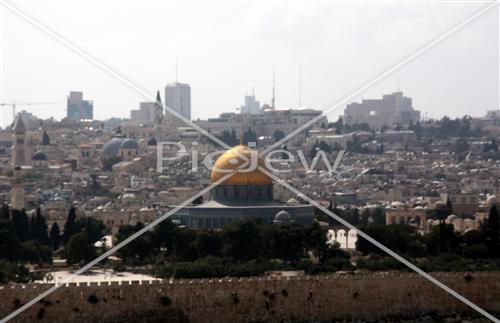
[(251, 105), (145, 114), (178, 98), (392, 109)]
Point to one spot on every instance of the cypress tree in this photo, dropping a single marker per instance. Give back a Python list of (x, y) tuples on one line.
[(55, 236), (40, 231), (70, 227), (21, 225), (493, 231)]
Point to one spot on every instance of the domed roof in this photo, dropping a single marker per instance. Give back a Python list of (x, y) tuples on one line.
[(152, 141), (129, 144), (282, 217), (112, 146), (39, 156), (231, 160)]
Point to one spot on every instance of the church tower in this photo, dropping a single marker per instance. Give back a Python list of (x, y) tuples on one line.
[(17, 190), (18, 142)]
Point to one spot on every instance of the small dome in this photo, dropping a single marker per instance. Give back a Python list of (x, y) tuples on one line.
[(292, 201), (129, 144), (112, 147), (152, 141), (39, 156), (282, 217)]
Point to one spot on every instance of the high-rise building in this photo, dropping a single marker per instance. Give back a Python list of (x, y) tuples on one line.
[(148, 112), (251, 105), (391, 110), (78, 108), (178, 98)]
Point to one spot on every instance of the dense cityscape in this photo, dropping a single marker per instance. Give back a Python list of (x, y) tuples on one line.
[(72, 189)]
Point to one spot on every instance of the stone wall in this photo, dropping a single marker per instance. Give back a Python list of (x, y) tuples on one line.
[(310, 298)]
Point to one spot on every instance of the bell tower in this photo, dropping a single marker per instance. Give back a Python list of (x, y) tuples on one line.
[(17, 190), (18, 142)]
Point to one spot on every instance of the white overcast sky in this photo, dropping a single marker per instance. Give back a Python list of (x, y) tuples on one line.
[(224, 48)]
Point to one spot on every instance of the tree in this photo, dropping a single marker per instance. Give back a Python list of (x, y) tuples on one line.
[(249, 136), (40, 228), (316, 240), (492, 231), (10, 248), (4, 211), (183, 244), (79, 249), (209, 243), (278, 135), (36, 253), (94, 229), (55, 236), (70, 227), (45, 139), (287, 242), (21, 225), (243, 240), (138, 250)]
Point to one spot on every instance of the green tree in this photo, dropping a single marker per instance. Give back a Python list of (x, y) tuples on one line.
[(70, 226), (10, 248), (45, 139), (287, 242), (21, 225), (40, 228), (140, 250), (55, 236), (183, 244), (492, 231), (209, 243), (243, 240), (278, 135), (316, 240), (79, 249)]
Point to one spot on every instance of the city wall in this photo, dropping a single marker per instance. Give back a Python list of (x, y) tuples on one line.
[(308, 298)]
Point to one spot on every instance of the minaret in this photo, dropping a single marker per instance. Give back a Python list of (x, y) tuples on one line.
[(17, 190), (18, 142), (159, 117), (159, 109)]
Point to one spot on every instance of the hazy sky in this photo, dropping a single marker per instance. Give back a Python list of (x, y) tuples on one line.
[(224, 48)]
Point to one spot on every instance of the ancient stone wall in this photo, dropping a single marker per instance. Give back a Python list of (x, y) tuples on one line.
[(313, 298)]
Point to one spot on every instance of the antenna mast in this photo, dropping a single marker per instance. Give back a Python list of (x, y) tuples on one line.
[(300, 85), (273, 98)]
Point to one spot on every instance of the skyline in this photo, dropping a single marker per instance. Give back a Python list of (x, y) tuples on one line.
[(333, 61)]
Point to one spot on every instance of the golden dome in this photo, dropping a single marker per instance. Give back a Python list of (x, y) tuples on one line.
[(231, 160)]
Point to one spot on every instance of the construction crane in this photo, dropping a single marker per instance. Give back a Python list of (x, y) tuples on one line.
[(13, 104)]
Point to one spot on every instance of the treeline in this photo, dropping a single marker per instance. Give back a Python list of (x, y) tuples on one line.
[(27, 240), (243, 248), (441, 249)]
